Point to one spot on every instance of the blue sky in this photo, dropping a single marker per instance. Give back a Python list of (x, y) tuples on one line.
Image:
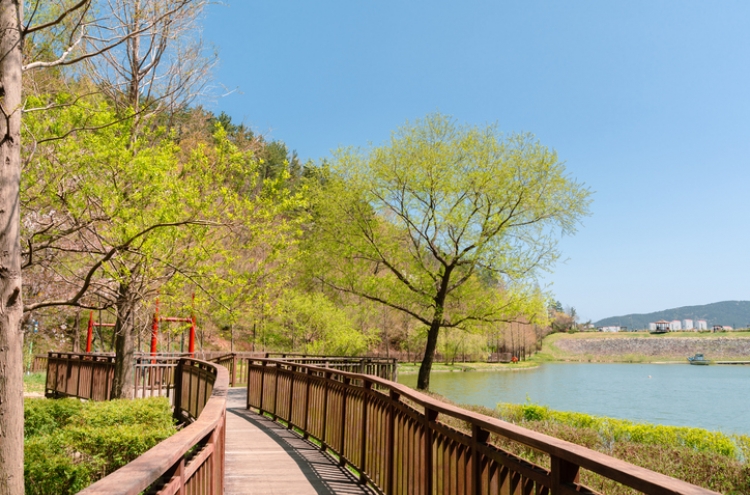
[(647, 102)]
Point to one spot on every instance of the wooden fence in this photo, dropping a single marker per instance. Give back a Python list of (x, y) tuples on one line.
[(192, 460), (90, 376), (386, 368), (87, 376), (405, 442)]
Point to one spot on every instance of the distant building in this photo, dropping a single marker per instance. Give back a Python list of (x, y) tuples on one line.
[(661, 326), (675, 325), (687, 324), (701, 325), (611, 328), (651, 326)]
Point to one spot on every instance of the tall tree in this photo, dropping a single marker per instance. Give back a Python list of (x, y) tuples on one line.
[(446, 223), (68, 30)]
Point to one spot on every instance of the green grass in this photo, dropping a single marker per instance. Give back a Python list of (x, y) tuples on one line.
[(413, 368), (34, 382), (552, 353)]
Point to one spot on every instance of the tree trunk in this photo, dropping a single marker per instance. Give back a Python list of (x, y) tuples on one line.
[(423, 379), (11, 304), (124, 381), (77, 333)]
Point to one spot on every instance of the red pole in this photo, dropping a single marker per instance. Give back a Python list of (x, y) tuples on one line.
[(90, 334), (191, 345), (155, 328)]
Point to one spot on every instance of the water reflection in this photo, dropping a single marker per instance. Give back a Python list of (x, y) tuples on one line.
[(711, 397)]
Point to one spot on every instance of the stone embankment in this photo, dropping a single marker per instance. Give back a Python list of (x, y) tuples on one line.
[(665, 348)]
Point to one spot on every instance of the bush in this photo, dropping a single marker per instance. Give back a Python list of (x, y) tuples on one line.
[(42, 417), (69, 444)]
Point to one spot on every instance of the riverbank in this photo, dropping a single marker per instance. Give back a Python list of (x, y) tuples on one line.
[(705, 458), (413, 368), (643, 347)]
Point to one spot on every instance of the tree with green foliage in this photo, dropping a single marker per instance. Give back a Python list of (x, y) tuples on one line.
[(38, 35), (122, 218), (447, 223)]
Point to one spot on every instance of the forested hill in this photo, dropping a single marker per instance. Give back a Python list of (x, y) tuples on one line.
[(733, 313)]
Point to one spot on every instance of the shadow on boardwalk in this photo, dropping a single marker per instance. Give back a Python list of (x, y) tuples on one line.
[(264, 457)]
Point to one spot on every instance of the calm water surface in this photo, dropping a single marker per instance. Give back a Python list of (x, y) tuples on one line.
[(713, 397)]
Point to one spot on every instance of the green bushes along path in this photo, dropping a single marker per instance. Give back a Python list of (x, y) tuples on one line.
[(69, 444)]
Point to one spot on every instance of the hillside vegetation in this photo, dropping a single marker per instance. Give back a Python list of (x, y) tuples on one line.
[(727, 313)]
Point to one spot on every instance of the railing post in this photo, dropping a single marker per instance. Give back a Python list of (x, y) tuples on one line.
[(307, 403), (178, 389), (262, 385), (292, 370), (326, 378), (181, 474), (562, 473), (366, 388), (235, 362), (342, 431), (276, 390), (430, 417), (478, 437), (390, 452)]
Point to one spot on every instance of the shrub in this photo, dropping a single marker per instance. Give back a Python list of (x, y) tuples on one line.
[(69, 444), (43, 417)]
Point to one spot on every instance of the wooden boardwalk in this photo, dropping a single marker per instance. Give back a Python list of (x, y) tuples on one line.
[(263, 457)]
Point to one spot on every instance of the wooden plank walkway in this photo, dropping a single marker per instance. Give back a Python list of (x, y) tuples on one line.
[(263, 457)]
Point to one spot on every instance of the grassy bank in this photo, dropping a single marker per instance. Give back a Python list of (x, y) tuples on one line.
[(69, 444), (642, 347), (413, 368), (709, 459)]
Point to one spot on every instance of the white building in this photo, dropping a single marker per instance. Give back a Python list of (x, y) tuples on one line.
[(687, 324), (610, 329), (651, 326), (701, 325), (675, 325)]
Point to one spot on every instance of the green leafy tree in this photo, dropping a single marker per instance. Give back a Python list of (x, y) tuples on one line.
[(313, 324), (446, 223)]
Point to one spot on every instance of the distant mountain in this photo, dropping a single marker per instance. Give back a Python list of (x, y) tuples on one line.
[(732, 313)]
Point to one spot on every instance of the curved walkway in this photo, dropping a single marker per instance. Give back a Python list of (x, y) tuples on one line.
[(263, 457)]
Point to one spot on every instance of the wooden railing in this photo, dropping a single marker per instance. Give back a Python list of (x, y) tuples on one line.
[(38, 363), (382, 367), (405, 442), (192, 460), (87, 376), (90, 376)]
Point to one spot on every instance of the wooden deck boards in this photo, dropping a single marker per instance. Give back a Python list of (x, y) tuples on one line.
[(263, 457)]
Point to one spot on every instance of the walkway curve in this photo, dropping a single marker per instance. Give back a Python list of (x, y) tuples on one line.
[(263, 457)]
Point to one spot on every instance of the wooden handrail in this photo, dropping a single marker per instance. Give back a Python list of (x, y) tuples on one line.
[(383, 367), (202, 439), (398, 439)]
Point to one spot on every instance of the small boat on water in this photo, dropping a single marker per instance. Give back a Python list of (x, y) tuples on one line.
[(699, 359)]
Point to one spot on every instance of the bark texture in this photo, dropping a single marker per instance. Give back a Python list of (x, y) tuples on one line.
[(124, 380), (11, 305)]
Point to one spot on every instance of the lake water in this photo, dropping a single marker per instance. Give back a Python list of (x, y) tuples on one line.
[(712, 397)]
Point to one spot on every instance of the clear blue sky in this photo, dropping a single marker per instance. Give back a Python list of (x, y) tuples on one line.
[(647, 102)]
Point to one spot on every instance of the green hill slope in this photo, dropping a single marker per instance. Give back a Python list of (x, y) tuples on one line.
[(732, 313)]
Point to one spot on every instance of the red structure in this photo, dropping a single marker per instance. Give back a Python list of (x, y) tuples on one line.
[(155, 328), (90, 334)]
